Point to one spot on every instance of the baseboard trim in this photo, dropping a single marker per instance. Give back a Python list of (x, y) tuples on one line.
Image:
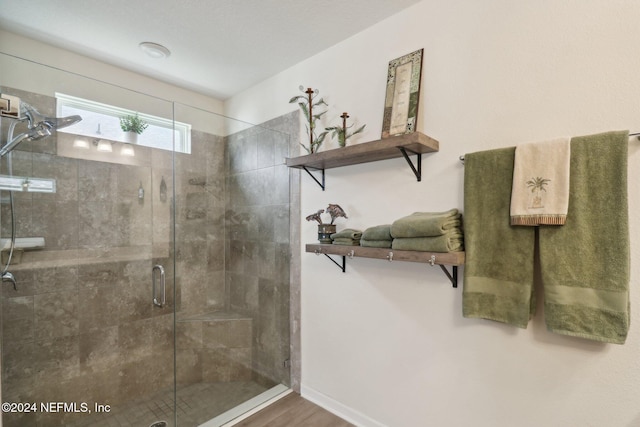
[(250, 407), (337, 408)]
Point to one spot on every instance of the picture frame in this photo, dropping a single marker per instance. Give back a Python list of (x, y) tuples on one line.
[(402, 95)]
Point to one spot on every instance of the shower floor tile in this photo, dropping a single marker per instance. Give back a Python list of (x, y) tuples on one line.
[(195, 404)]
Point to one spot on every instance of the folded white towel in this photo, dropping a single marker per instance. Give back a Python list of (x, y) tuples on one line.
[(540, 190)]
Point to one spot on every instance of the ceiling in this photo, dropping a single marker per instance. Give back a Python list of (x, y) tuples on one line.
[(218, 47)]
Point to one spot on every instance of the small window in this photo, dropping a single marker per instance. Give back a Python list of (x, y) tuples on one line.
[(103, 121)]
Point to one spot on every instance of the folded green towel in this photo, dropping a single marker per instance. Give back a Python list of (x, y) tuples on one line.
[(378, 232), (584, 264), (421, 224), (346, 242), (450, 242), (347, 233), (375, 243)]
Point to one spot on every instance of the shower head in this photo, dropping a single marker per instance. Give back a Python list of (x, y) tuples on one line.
[(39, 127), (35, 118), (41, 130)]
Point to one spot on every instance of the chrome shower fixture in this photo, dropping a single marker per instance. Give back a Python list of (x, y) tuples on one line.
[(34, 118), (41, 130), (38, 125)]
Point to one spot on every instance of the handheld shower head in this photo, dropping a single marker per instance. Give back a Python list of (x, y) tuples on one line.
[(38, 132)]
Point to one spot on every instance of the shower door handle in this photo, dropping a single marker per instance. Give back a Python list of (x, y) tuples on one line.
[(158, 302)]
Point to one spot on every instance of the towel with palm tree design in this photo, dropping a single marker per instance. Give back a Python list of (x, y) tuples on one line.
[(540, 191)]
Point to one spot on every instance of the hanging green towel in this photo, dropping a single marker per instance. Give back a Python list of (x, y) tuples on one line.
[(375, 243), (421, 224), (585, 263), (378, 232), (498, 272)]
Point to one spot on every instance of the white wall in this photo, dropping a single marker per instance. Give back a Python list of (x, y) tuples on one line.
[(45, 69), (385, 343)]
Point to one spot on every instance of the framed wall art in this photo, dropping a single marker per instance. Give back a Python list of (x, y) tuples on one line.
[(403, 90)]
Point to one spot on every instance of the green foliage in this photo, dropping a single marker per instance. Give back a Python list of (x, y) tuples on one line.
[(133, 124), (307, 104), (343, 134)]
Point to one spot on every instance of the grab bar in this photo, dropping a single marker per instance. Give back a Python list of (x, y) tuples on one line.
[(163, 300)]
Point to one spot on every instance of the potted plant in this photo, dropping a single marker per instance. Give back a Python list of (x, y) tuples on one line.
[(132, 125), (341, 131), (307, 103), (326, 230)]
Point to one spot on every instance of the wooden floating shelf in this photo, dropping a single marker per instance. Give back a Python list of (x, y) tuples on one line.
[(415, 143), (442, 259), (383, 149)]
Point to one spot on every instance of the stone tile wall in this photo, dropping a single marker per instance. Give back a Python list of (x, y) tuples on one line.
[(258, 241)]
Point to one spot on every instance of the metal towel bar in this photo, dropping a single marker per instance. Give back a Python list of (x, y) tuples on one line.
[(637, 134)]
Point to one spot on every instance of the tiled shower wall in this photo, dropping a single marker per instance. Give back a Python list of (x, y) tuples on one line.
[(234, 315), (258, 241), (81, 326)]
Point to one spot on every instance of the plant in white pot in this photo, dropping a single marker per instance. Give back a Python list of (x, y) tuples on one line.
[(132, 125)]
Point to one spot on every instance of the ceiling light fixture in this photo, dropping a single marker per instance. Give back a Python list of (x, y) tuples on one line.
[(155, 50)]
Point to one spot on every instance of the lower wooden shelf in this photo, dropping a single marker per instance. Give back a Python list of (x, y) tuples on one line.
[(442, 259)]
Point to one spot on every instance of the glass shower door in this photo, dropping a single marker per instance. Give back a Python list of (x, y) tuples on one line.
[(91, 336), (232, 268), (83, 343)]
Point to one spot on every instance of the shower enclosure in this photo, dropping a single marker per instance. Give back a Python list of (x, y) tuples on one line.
[(152, 287)]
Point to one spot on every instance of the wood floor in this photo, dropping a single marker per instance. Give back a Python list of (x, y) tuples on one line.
[(293, 411)]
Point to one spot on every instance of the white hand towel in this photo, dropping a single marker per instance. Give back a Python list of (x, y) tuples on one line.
[(540, 189)]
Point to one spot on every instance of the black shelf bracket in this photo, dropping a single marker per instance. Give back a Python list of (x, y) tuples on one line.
[(417, 169), (342, 267), (321, 184), (453, 276)]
